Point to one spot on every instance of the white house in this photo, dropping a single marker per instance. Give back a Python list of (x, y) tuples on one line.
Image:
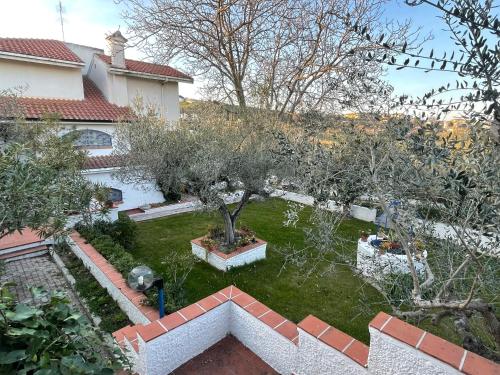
[(91, 91)]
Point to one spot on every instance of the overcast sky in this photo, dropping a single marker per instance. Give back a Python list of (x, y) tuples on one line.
[(87, 21)]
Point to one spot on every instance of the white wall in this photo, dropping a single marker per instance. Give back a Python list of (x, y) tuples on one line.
[(41, 80), (98, 73), (388, 356), (273, 348), (134, 195), (105, 128), (315, 357), (164, 97), (133, 313), (172, 349), (85, 53)]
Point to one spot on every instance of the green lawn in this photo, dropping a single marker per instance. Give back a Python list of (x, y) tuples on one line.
[(342, 299)]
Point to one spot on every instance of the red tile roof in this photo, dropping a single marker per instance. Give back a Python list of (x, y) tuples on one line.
[(149, 68), (94, 107), (47, 48), (97, 162)]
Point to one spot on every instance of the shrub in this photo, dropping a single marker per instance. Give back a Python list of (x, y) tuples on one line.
[(125, 231), (51, 338)]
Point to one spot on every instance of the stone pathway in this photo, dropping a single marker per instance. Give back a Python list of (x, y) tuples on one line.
[(37, 271)]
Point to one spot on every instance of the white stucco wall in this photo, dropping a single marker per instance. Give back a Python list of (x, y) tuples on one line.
[(273, 348), (103, 127), (133, 313), (134, 195), (389, 356), (163, 96), (98, 73), (315, 357), (363, 213), (85, 53), (41, 80), (250, 256), (165, 353)]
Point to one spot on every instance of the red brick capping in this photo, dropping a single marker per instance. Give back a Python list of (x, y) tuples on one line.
[(115, 277), (338, 340), (445, 351), (238, 251), (157, 328)]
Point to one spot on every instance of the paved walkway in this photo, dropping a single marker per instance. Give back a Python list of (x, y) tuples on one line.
[(227, 357), (36, 271)]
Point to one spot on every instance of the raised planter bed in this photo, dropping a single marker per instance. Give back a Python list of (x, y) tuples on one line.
[(244, 255)]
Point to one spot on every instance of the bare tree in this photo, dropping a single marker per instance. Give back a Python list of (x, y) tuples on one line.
[(282, 55)]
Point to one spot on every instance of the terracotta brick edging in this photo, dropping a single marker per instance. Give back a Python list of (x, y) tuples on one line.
[(113, 277), (272, 319), (445, 351), (336, 339), (238, 251)]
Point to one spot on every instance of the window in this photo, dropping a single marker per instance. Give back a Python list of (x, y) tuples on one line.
[(115, 195), (92, 138)]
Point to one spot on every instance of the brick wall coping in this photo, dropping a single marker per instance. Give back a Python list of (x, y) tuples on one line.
[(238, 251), (157, 328), (114, 276), (445, 351), (338, 340)]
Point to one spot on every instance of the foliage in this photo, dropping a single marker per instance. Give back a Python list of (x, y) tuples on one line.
[(209, 153), (38, 187), (123, 231), (106, 237), (51, 338), (96, 297), (473, 28)]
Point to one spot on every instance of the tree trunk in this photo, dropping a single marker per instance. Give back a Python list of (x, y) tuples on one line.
[(231, 218)]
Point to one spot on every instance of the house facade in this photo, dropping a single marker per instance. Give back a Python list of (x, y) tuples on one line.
[(90, 92)]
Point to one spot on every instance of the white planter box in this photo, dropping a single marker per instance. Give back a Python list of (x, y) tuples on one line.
[(224, 262), (373, 264), (363, 213)]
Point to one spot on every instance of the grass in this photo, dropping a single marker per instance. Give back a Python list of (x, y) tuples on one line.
[(342, 299)]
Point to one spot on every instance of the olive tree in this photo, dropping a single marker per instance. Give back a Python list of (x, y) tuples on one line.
[(40, 173), (210, 153)]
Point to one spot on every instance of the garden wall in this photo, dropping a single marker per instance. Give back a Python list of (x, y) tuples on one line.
[(129, 300), (311, 347)]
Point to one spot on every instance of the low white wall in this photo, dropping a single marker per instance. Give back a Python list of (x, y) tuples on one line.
[(274, 349), (315, 357), (373, 264), (363, 213), (165, 353), (133, 313), (134, 195), (250, 256), (389, 356)]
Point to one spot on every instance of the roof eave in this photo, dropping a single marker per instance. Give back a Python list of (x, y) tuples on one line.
[(156, 77), (40, 60)]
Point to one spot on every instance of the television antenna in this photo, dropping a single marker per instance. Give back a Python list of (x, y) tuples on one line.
[(60, 9)]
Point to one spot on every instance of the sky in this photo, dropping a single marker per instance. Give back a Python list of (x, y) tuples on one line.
[(88, 21)]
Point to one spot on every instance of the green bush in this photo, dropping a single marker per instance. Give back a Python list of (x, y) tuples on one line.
[(51, 338), (125, 231)]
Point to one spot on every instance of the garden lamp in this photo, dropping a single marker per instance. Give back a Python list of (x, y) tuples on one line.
[(141, 278)]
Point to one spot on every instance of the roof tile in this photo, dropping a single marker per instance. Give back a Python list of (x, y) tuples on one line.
[(148, 68), (46, 48)]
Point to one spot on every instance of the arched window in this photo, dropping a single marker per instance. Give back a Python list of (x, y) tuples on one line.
[(89, 138), (115, 195)]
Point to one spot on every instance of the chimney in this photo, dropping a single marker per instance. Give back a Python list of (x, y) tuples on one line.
[(116, 45)]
